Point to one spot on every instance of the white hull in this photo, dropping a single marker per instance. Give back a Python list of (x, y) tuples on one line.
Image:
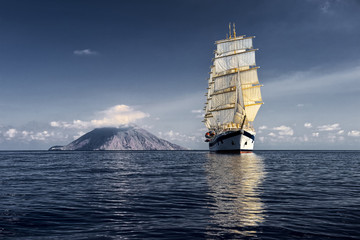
[(232, 141)]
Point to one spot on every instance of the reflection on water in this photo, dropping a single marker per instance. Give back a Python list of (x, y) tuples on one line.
[(234, 183)]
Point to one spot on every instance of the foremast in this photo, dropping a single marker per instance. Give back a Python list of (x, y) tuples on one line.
[(233, 96)]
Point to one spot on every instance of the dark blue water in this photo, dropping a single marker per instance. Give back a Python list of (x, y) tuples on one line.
[(179, 195)]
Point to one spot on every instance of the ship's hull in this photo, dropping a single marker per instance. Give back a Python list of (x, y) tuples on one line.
[(232, 141)]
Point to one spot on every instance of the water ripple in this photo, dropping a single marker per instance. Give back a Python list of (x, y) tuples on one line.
[(179, 195)]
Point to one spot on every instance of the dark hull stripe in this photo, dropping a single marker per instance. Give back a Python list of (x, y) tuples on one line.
[(249, 135), (229, 135)]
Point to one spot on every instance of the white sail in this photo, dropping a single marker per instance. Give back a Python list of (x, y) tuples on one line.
[(251, 94), (225, 81), (239, 110), (251, 111), (234, 61), (233, 45), (223, 116), (252, 101), (212, 123), (233, 96), (249, 77), (219, 101)]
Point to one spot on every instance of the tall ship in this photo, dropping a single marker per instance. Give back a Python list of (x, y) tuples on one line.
[(233, 95)]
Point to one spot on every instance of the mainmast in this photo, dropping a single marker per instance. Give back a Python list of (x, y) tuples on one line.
[(234, 96)]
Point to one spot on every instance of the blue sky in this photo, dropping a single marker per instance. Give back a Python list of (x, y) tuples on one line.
[(67, 67)]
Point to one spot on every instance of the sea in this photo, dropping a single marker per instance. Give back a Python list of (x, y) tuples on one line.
[(179, 195)]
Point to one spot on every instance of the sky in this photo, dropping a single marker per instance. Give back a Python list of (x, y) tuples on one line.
[(67, 67)]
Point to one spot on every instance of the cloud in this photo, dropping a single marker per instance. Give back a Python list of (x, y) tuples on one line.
[(305, 138), (176, 136), (85, 52), (333, 138), (55, 124), (200, 114), (79, 134), (26, 135), (261, 128), (284, 130), (37, 136), (300, 105), (329, 127), (73, 124), (340, 132), (202, 130), (196, 111), (308, 125), (11, 133), (111, 117), (315, 134), (314, 81), (354, 133), (41, 136)]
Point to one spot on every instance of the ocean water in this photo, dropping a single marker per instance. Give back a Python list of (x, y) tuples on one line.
[(180, 195)]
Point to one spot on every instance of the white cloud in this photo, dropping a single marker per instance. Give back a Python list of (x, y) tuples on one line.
[(333, 138), (11, 133), (41, 136), (112, 117), (201, 115), (305, 138), (119, 114), (85, 52), (146, 126), (354, 133), (308, 125), (340, 132), (37, 136), (315, 134), (329, 127), (262, 127), (196, 111), (171, 133), (25, 133), (172, 136), (314, 81), (79, 134), (73, 124), (55, 124), (284, 130), (272, 134), (300, 105)]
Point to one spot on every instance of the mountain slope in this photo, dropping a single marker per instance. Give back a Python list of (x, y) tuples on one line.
[(125, 138)]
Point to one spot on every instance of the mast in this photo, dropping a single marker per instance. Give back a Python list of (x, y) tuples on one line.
[(234, 88)]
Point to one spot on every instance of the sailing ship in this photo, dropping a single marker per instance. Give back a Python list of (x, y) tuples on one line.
[(233, 95)]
